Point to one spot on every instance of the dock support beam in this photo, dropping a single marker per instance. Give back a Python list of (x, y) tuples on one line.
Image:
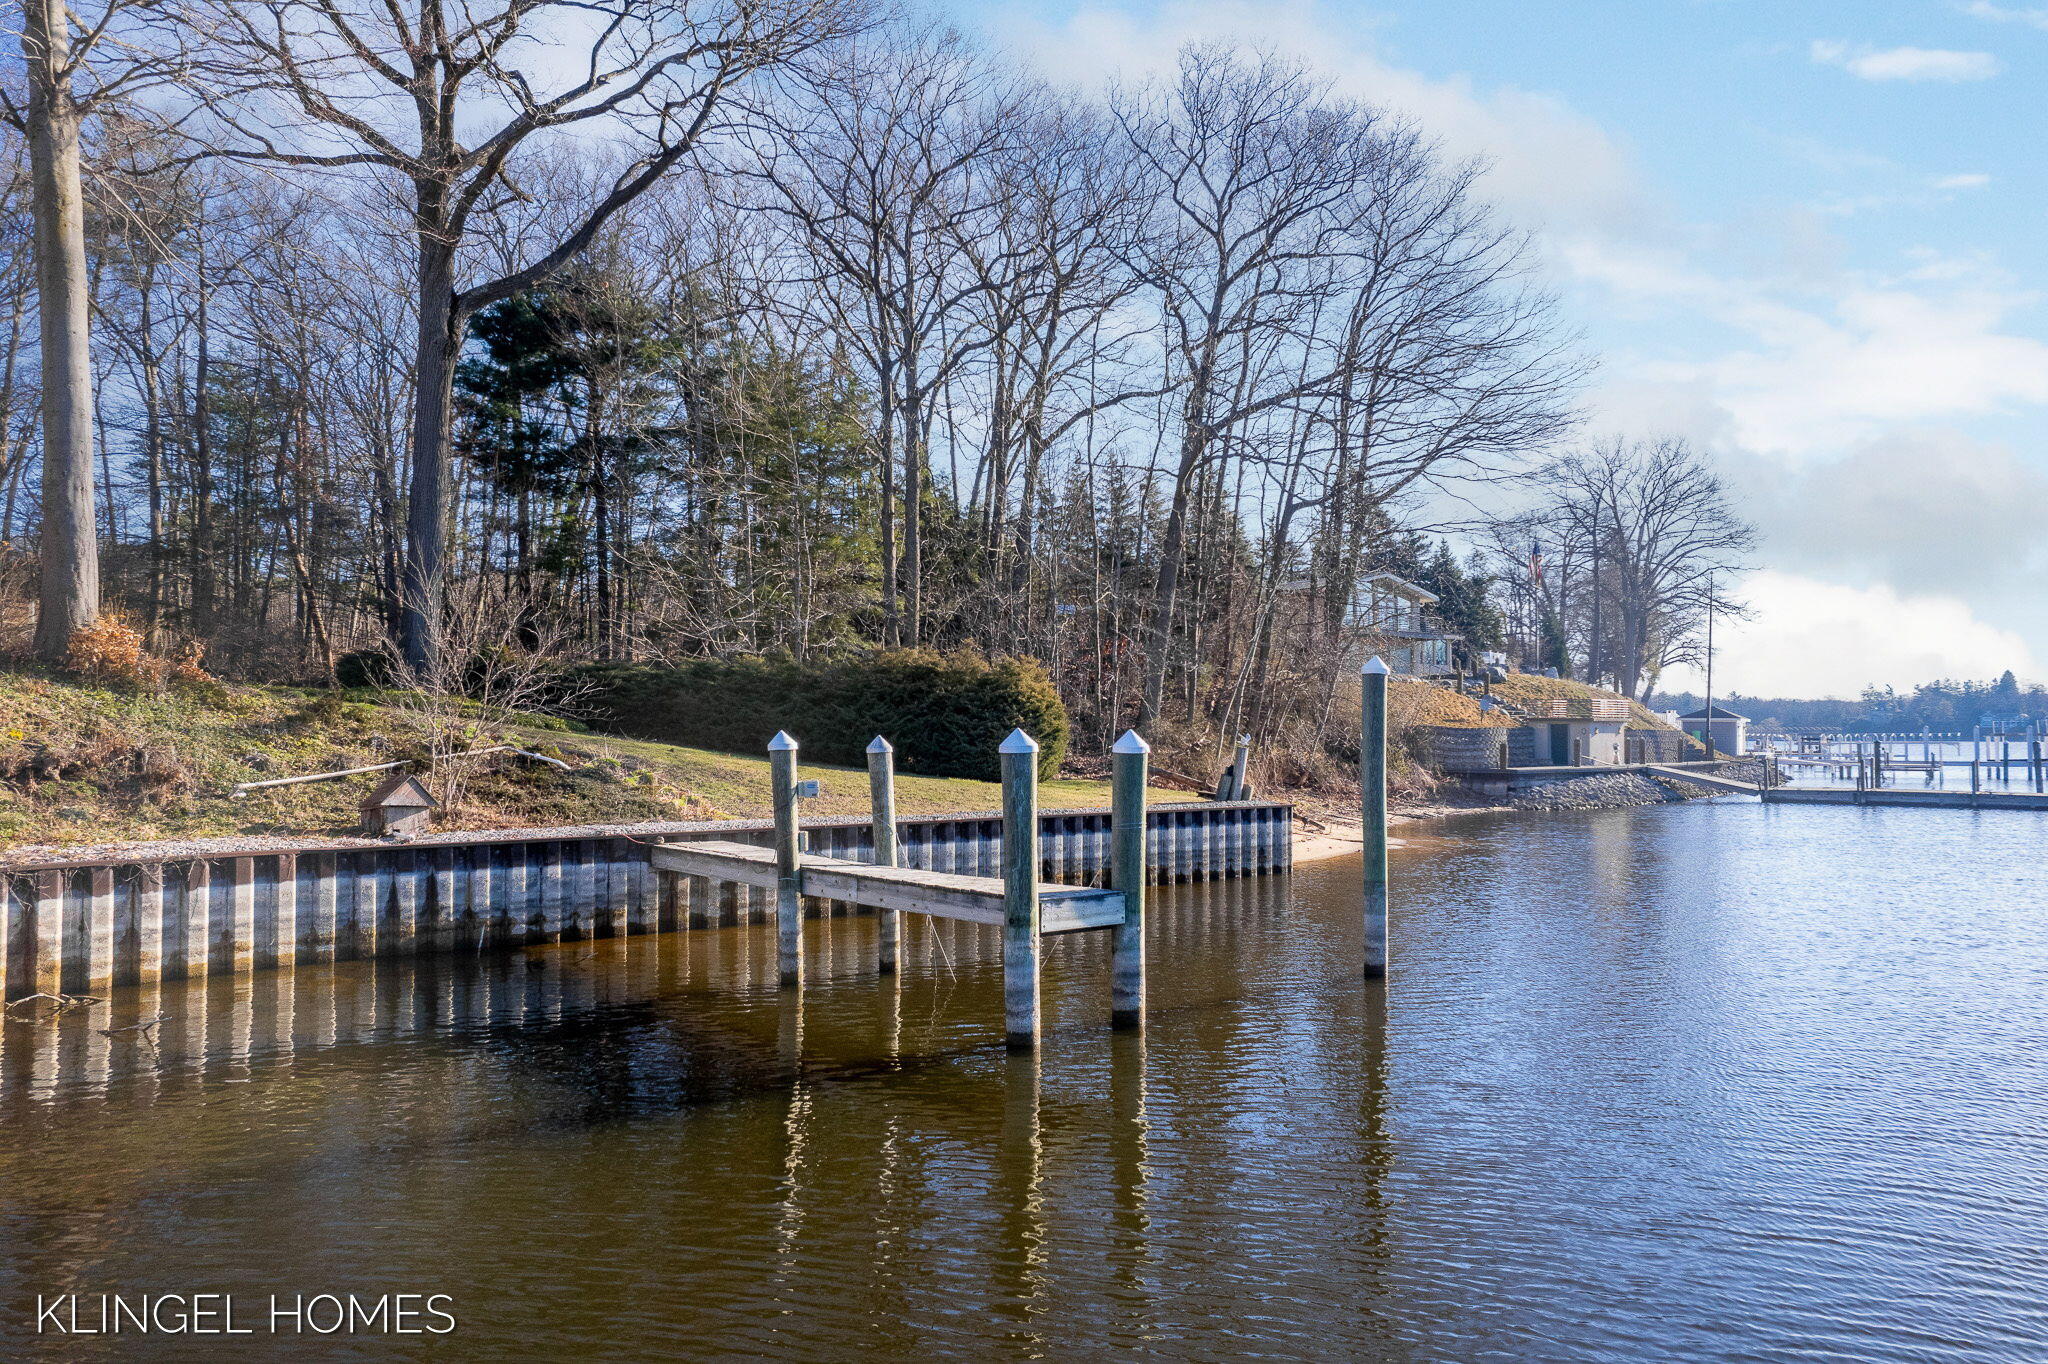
[(1128, 761), (789, 909), (1020, 891), (882, 821), (1372, 787)]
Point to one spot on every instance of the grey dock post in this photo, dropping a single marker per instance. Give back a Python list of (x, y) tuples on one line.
[(882, 820), (789, 909), (1372, 786), (1020, 891), (1129, 759)]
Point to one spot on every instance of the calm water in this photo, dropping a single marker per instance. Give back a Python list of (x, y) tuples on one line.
[(1703, 1082)]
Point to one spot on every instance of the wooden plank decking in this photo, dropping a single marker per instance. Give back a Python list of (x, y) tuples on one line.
[(943, 895)]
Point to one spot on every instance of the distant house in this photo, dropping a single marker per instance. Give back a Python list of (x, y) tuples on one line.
[(1396, 611), (1731, 731)]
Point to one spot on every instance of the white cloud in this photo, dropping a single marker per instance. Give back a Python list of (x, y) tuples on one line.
[(1906, 63), (1923, 506), (1814, 379), (1549, 164), (1810, 375), (1806, 637), (1968, 181), (2001, 14)]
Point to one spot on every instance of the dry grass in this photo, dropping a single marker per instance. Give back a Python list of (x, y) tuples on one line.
[(1412, 702), (1531, 691), (85, 763)]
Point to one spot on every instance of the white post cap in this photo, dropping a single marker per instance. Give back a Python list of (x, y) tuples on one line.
[(1374, 665), (880, 745), (1019, 742), (782, 743), (1131, 743)]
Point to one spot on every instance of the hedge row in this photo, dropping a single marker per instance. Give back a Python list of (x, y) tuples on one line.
[(945, 712)]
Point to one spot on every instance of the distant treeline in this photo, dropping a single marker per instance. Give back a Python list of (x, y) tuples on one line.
[(1941, 705)]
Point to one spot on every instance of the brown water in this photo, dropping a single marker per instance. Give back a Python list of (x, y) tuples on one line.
[(1697, 1082)]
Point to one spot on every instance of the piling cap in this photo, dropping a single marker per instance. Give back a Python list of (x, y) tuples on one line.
[(1019, 742), (1373, 665), (782, 743), (1131, 743), (880, 745)]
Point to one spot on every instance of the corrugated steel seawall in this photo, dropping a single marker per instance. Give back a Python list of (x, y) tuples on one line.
[(85, 927)]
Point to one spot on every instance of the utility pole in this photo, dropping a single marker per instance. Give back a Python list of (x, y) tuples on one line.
[(1710, 665)]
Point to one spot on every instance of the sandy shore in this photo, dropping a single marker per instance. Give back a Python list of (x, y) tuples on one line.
[(1333, 839)]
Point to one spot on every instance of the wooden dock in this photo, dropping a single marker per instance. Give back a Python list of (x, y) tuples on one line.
[(941, 895), (87, 926), (93, 924), (1891, 795)]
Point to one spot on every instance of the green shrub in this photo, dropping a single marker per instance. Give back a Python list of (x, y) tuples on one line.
[(363, 668), (946, 713)]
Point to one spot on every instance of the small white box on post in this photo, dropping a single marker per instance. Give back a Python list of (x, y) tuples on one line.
[(789, 910), (1020, 890)]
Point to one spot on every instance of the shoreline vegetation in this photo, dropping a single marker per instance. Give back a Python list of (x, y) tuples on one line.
[(92, 770)]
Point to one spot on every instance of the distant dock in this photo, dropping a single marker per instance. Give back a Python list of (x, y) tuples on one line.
[(1891, 795)]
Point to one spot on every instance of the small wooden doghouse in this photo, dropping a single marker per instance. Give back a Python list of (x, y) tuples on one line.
[(400, 805)]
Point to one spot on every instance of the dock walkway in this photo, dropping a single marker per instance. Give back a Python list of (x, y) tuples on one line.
[(941, 895), (1711, 780)]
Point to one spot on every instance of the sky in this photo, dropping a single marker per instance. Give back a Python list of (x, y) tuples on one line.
[(1806, 236)]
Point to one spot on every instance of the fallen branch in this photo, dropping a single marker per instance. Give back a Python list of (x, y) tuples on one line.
[(144, 1026), (62, 1002), (246, 787), (249, 786)]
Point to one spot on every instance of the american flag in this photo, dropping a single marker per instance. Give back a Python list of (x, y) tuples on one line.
[(1536, 566)]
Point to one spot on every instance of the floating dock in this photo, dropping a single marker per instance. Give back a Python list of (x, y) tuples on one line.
[(1890, 795)]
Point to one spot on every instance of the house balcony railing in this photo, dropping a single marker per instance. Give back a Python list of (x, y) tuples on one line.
[(1407, 625)]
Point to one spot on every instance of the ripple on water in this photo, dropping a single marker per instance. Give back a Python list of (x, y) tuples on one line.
[(1699, 1082)]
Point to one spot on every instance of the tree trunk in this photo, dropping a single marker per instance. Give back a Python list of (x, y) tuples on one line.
[(1167, 586), (70, 588), (426, 514)]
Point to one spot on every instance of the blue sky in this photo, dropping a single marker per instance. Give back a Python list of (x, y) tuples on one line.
[(1807, 236)]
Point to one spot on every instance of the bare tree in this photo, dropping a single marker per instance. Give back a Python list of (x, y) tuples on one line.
[(876, 178), (1258, 177), (450, 99), (1650, 527), (65, 87)]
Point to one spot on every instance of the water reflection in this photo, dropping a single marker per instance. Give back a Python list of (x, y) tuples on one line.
[(1675, 1083)]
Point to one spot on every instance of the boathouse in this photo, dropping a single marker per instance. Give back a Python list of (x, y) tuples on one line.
[(1730, 731), (1579, 731)]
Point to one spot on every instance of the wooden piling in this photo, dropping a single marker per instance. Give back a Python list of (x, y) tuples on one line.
[(882, 824), (49, 939), (1128, 761), (284, 934), (789, 910), (99, 931), (1020, 890), (1372, 783)]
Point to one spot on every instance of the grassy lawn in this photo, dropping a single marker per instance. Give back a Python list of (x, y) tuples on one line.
[(82, 765)]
